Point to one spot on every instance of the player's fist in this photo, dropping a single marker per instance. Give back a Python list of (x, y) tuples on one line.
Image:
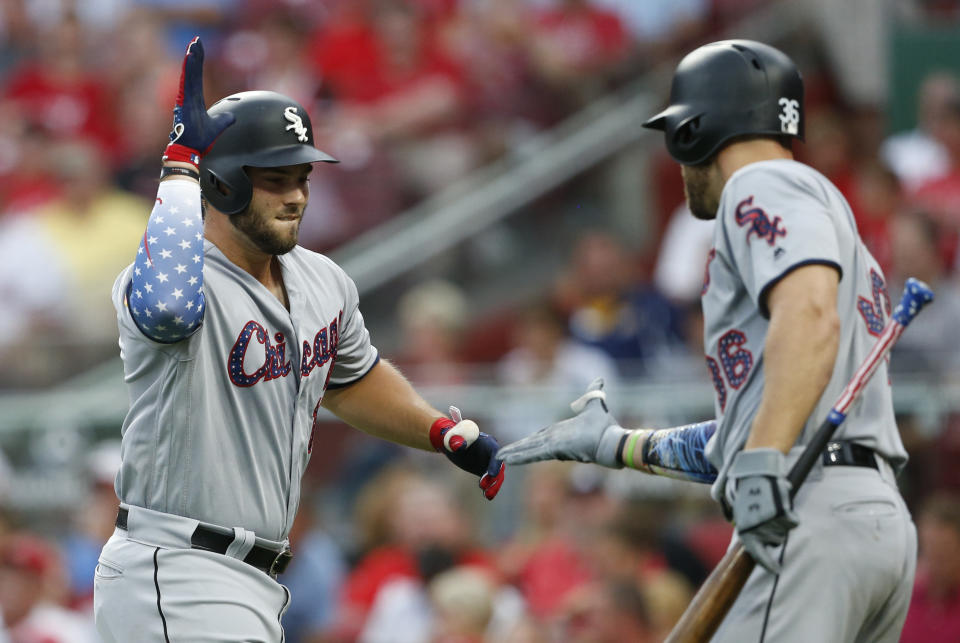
[(759, 493), (194, 131), (465, 446)]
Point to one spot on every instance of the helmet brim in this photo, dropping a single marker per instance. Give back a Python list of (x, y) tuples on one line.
[(670, 116), (288, 155)]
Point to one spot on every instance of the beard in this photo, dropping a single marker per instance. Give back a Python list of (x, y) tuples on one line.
[(702, 186), (257, 226)]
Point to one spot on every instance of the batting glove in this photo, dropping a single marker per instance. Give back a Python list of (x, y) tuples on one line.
[(759, 494), (465, 446), (194, 131), (593, 435)]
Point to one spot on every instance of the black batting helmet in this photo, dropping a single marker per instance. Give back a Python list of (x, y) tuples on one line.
[(271, 130), (726, 89)]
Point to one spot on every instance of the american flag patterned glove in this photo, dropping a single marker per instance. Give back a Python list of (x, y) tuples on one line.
[(194, 131)]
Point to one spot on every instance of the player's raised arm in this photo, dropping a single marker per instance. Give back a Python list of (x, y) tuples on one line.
[(593, 435), (165, 295)]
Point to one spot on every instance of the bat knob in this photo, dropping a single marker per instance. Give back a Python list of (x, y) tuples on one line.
[(916, 295)]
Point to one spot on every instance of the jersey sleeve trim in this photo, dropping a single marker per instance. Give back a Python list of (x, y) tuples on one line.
[(762, 299), (333, 385)]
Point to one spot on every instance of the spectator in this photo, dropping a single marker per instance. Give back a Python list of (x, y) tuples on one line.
[(941, 196), (918, 155), (934, 613), (876, 196), (469, 606), (398, 111), (423, 533), (90, 229), (92, 522), (432, 317), (30, 578), (629, 550), (606, 612), (489, 41), (577, 49), (546, 559), (58, 93), (611, 310), (544, 356), (928, 348), (314, 578)]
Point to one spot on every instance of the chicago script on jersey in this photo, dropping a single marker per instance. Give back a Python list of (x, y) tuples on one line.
[(275, 364)]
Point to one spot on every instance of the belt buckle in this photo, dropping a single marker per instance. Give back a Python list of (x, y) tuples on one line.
[(280, 562), (833, 453)]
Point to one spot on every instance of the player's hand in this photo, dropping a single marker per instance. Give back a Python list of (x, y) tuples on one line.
[(759, 492), (465, 446), (194, 131), (593, 435)]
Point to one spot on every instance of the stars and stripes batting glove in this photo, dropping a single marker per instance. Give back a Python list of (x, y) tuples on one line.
[(194, 131), (465, 446)]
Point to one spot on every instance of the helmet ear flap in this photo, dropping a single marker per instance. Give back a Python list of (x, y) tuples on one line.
[(229, 192), (686, 134)]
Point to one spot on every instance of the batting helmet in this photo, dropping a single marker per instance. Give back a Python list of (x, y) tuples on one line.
[(726, 89), (271, 130)]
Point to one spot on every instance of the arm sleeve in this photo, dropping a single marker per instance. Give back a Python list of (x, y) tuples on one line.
[(355, 354), (679, 452), (776, 224), (165, 294)]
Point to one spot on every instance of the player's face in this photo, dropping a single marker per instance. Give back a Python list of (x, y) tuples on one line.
[(272, 220), (702, 185)]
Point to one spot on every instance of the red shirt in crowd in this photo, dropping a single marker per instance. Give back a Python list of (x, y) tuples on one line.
[(67, 107), (931, 618), (588, 36)]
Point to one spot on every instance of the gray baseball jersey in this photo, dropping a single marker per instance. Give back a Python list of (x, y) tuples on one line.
[(221, 424), (775, 216)]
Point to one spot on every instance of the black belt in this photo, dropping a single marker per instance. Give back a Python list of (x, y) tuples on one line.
[(849, 454), (266, 560)]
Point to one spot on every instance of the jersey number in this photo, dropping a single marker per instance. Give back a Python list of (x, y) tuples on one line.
[(734, 367)]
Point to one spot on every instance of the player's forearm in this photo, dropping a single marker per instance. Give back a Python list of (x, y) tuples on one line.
[(799, 354), (166, 297), (677, 452), (384, 404)]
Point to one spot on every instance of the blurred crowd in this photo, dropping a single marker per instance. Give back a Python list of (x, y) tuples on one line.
[(410, 96)]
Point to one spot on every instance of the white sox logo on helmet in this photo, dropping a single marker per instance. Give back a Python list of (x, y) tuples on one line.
[(296, 124)]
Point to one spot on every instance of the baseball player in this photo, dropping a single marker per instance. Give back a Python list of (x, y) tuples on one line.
[(792, 301), (232, 338)]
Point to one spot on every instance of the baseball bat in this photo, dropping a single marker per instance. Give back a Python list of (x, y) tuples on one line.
[(717, 594)]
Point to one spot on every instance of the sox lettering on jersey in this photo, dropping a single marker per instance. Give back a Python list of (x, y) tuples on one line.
[(275, 364), (759, 222)]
